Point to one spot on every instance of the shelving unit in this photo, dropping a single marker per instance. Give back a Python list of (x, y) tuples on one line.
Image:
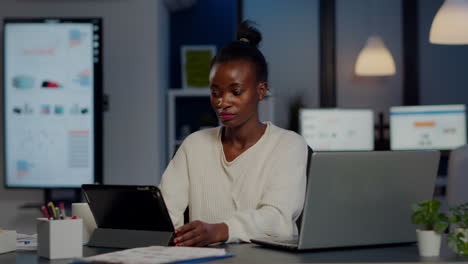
[(188, 111)]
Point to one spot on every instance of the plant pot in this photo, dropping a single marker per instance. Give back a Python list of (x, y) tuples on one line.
[(428, 243), (464, 231)]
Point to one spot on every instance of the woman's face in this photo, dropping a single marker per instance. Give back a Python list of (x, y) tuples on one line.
[(235, 92)]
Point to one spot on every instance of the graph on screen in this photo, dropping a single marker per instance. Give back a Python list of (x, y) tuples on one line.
[(52, 77), (427, 127), (337, 129)]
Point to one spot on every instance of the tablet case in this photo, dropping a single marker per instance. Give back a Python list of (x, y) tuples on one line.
[(128, 216)]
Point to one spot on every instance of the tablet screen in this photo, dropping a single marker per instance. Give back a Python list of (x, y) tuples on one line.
[(128, 207)]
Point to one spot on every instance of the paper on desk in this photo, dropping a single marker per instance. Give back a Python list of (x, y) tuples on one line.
[(7, 241), (158, 254), (26, 242)]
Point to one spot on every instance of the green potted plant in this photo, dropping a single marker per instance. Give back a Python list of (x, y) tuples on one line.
[(458, 238), (433, 222)]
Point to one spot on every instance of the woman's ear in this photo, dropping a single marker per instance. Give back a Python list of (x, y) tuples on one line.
[(262, 89)]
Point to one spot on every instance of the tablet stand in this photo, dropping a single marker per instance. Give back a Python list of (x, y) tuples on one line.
[(123, 238)]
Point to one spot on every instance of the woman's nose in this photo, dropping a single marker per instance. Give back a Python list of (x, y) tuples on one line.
[(224, 101)]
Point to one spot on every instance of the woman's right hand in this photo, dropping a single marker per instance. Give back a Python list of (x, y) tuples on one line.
[(199, 234)]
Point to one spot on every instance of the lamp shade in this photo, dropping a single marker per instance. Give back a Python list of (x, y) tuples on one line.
[(375, 59), (450, 24)]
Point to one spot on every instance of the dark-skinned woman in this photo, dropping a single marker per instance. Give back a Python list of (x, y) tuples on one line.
[(245, 179)]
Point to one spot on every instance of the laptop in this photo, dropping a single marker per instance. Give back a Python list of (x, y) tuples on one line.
[(361, 199)]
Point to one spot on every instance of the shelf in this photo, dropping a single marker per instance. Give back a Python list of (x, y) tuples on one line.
[(189, 110)]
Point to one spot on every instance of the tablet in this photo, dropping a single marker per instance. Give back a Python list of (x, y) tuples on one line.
[(128, 207)]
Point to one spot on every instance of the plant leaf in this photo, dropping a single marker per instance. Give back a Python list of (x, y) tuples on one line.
[(452, 242), (440, 227), (415, 207)]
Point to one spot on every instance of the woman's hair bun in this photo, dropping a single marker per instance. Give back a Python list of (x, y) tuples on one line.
[(249, 33)]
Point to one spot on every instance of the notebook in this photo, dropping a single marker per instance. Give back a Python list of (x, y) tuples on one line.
[(159, 254), (362, 199)]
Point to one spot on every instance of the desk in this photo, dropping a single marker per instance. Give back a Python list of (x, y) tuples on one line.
[(250, 253)]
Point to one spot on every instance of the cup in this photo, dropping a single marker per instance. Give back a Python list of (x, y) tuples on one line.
[(57, 239), (81, 210)]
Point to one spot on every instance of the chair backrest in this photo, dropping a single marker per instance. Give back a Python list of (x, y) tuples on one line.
[(457, 176), (309, 158)]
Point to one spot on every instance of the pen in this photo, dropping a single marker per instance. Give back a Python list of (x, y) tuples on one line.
[(46, 213), (54, 212), (62, 209), (59, 213), (51, 214)]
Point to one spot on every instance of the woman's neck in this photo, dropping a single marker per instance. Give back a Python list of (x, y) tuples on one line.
[(245, 135)]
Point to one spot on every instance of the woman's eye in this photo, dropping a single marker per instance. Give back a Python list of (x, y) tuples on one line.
[(214, 93), (237, 92)]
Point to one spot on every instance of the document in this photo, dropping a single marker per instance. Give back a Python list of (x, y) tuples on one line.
[(26, 242), (159, 254)]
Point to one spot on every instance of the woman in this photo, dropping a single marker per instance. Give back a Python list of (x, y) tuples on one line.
[(242, 180)]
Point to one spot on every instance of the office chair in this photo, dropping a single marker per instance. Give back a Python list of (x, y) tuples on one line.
[(309, 158), (457, 176)]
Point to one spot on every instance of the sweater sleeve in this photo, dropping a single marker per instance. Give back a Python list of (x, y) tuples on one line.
[(174, 186), (282, 200)]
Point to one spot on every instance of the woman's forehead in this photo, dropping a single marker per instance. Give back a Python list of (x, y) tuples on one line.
[(238, 69)]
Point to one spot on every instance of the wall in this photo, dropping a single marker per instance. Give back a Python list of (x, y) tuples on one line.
[(443, 75), (135, 77), (355, 21), (291, 47), (207, 22)]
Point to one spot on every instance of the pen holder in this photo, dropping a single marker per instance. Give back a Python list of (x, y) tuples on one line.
[(59, 238)]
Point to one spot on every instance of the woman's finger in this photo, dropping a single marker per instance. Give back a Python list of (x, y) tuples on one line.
[(197, 241), (201, 243), (184, 229), (187, 236)]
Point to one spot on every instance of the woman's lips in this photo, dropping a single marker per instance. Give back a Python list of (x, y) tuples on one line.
[(226, 116)]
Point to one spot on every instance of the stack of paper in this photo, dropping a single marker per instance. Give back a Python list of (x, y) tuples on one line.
[(26, 242), (159, 254), (7, 240)]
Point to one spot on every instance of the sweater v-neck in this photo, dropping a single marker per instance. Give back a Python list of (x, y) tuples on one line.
[(244, 153)]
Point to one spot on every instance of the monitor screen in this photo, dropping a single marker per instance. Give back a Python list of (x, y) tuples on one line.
[(337, 129), (52, 86), (440, 127)]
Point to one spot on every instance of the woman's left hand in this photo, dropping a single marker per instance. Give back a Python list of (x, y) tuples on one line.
[(199, 234)]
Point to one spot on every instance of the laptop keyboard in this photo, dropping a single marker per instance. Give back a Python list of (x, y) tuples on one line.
[(286, 241), (278, 242)]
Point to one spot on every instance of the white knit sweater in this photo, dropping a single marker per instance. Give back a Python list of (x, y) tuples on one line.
[(260, 193)]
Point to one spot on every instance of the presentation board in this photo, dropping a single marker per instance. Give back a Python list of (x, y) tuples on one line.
[(441, 127), (52, 102), (337, 129)]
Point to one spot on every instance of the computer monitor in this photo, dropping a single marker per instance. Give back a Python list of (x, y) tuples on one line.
[(441, 127), (337, 129), (52, 102)]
